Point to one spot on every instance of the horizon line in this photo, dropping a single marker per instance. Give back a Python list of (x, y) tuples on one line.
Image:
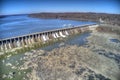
[(57, 12)]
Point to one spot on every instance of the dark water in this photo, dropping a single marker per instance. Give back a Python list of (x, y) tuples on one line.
[(12, 26), (115, 40)]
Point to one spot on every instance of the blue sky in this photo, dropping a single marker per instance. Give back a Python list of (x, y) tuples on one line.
[(36, 6)]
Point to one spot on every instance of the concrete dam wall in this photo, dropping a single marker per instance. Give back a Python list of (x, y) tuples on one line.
[(42, 37)]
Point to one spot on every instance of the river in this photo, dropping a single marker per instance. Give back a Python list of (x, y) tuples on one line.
[(20, 25)]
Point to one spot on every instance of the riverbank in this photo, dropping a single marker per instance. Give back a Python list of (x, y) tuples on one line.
[(81, 16), (11, 64), (98, 59), (70, 62)]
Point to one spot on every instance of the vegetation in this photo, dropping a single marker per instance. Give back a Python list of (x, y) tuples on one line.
[(110, 18), (109, 28)]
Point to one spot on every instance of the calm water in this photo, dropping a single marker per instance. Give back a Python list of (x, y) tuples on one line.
[(12, 26), (115, 40)]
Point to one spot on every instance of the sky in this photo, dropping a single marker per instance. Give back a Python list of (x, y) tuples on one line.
[(8, 7)]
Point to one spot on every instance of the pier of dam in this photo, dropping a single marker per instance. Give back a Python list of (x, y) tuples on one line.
[(42, 37)]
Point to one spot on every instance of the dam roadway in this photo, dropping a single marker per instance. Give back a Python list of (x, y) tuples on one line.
[(42, 37)]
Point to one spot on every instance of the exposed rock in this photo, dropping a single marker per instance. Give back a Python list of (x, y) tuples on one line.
[(99, 59), (8, 64), (71, 62)]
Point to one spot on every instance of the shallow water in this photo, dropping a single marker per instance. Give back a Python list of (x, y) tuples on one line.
[(78, 40), (115, 40)]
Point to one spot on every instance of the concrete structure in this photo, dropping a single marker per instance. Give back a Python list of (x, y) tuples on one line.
[(42, 37)]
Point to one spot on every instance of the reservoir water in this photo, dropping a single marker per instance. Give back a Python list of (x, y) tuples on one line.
[(12, 26)]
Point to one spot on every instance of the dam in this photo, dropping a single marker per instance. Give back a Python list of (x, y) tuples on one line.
[(11, 43)]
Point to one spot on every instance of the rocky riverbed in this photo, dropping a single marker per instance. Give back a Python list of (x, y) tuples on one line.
[(99, 59), (70, 63)]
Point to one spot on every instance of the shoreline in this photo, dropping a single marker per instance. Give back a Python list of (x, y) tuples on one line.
[(83, 16), (109, 18), (88, 56), (68, 59), (95, 60)]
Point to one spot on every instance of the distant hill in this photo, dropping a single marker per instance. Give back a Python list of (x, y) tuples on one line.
[(112, 18), (88, 16), (3, 16)]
